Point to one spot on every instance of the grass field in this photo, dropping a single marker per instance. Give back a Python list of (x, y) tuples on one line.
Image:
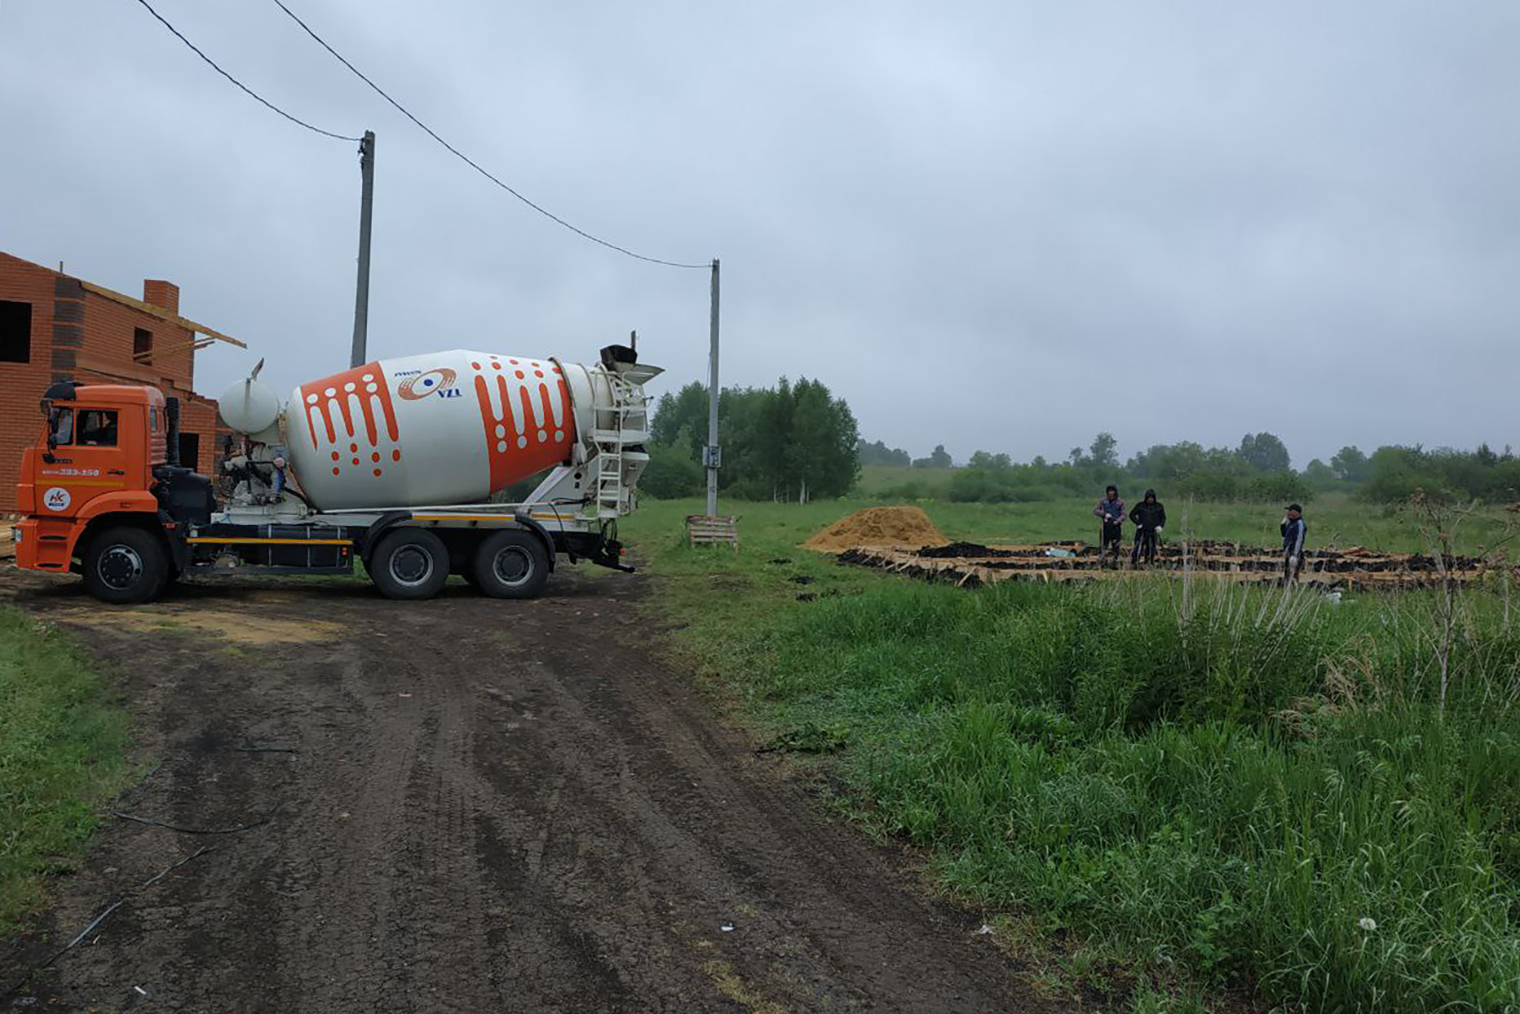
[(1230, 790), (61, 743)]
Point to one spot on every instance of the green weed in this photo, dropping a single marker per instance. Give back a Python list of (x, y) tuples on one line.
[(61, 744)]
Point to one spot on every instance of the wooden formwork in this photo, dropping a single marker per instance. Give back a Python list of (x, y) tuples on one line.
[(971, 565)]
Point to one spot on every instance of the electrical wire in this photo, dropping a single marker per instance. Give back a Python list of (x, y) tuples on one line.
[(196, 49), (469, 161)]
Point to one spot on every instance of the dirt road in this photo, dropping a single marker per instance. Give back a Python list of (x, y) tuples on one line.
[(465, 805)]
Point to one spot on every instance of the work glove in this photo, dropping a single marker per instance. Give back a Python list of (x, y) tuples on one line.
[(1159, 530)]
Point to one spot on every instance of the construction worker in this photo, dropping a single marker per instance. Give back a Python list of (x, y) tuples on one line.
[(1111, 510), (277, 483), (1149, 518), (1293, 531)]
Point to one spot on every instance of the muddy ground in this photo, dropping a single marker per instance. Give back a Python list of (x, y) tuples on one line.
[(464, 805)]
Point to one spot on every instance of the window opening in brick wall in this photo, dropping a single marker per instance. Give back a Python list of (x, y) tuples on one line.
[(142, 345), (190, 449), (15, 332)]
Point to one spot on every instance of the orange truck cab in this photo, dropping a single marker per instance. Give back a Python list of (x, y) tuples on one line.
[(101, 494)]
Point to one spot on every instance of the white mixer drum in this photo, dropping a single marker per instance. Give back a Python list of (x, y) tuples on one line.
[(444, 428)]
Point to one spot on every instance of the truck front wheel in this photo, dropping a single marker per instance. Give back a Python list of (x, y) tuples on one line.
[(125, 565), (410, 563), (511, 565)]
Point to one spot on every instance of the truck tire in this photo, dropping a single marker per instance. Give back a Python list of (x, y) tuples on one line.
[(410, 563), (125, 565), (511, 564)]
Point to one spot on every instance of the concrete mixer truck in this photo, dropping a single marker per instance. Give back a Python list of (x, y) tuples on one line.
[(395, 463)]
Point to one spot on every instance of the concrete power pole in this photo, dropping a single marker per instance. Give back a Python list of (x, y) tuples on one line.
[(712, 456), (366, 207)]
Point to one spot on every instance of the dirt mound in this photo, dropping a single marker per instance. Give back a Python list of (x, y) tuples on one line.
[(878, 526)]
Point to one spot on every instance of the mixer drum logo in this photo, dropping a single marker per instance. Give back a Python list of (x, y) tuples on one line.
[(438, 382)]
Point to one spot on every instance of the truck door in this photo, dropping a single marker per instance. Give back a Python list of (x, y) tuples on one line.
[(88, 460)]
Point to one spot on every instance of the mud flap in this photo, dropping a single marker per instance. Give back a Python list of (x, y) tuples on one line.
[(526, 520), (374, 532)]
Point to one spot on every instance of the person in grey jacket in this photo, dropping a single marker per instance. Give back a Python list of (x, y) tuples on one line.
[(1111, 536), (1293, 531)]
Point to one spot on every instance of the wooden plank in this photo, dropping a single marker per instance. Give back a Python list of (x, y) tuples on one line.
[(160, 313)]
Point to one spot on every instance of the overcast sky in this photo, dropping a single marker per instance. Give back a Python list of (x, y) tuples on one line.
[(995, 225)]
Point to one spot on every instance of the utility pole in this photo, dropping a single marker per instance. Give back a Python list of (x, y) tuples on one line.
[(366, 207), (712, 456)]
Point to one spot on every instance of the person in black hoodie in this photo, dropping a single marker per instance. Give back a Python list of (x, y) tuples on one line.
[(1149, 518)]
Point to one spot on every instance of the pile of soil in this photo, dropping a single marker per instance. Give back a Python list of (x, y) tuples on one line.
[(878, 526)]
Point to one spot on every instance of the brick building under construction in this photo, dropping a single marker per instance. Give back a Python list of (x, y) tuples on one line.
[(56, 327)]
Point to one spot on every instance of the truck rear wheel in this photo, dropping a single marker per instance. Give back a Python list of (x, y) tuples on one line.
[(125, 565), (410, 563), (511, 564)]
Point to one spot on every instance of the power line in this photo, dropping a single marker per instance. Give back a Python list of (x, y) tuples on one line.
[(194, 48), (469, 161)]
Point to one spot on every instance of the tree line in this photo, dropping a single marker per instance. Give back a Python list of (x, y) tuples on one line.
[(1259, 468), (878, 453), (788, 442), (797, 442)]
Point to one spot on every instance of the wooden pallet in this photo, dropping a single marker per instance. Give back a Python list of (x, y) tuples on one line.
[(709, 530)]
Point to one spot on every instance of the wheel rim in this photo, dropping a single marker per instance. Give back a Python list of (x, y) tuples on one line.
[(411, 565), (119, 567), (513, 566)]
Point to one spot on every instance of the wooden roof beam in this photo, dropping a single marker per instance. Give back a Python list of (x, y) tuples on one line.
[(161, 314)]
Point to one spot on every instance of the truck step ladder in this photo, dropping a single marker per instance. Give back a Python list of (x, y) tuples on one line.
[(617, 427)]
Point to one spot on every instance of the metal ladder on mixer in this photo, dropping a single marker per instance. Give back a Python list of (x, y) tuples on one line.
[(610, 443)]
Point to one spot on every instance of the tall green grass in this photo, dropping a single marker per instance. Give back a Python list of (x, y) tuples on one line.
[(1250, 787), (61, 743)]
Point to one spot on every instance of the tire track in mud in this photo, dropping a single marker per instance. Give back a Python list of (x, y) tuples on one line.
[(493, 806), (345, 860)]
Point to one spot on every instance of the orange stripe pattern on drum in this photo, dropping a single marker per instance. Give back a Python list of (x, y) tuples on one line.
[(346, 412), (525, 411)]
